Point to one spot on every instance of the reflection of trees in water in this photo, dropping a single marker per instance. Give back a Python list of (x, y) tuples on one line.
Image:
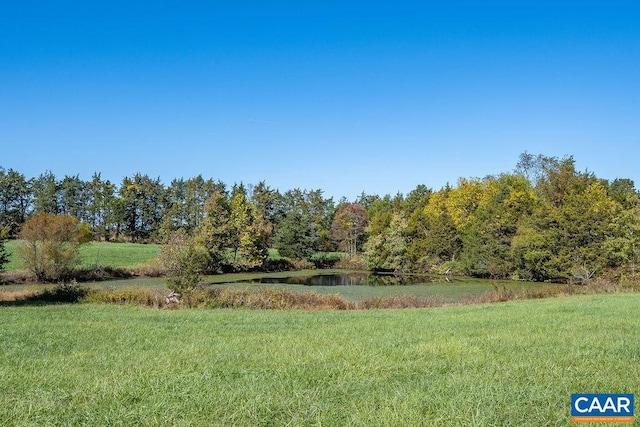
[(356, 279), (396, 280)]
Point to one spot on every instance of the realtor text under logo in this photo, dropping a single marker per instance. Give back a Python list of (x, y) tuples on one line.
[(603, 408)]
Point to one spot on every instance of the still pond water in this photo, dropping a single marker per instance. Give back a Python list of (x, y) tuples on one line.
[(362, 285), (353, 279)]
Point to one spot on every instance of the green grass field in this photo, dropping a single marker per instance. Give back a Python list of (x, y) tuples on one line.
[(106, 254), (513, 363)]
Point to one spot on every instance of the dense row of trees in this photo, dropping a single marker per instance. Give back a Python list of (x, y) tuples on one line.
[(543, 221), (237, 224)]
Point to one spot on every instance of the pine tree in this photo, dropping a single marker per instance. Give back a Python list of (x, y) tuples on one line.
[(4, 254)]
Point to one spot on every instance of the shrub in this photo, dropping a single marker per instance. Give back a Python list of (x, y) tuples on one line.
[(277, 264), (68, 292), (301, 264), (351, 263), (184, 260), (50, 246), (326, 259)]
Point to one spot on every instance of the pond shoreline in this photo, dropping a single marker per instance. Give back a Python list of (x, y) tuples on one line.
[(450, 289)]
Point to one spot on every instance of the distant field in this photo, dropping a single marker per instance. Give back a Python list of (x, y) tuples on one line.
[(106, 254), (511, 363), (118, 254)]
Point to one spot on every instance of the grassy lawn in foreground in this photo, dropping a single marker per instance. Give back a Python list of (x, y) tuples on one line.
[(513, 363)]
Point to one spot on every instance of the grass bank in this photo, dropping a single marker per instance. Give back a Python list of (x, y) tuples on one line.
[(512, 363), (105, 254), (237, 291)]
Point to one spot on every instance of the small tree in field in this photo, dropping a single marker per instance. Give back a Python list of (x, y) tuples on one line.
[(184, 260), (49, 246)]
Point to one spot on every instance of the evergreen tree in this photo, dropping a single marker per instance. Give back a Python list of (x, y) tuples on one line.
[(143, 201), (297, 235), (4, 254), (387, 251), (304, 222), (214, 233), (45, 194), (15, 200), (74, 198), (104, 208)]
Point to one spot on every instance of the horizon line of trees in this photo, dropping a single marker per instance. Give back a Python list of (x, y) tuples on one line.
[(543, 221)]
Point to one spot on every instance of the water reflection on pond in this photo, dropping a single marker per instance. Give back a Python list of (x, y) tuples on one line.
[(360, 285), (352, 279)]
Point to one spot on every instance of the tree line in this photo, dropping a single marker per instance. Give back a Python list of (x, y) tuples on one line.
[(543, 221)]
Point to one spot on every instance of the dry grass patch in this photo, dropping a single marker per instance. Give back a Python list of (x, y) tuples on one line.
[(129, 296), (267, 299), (17, 296), (402, 301)]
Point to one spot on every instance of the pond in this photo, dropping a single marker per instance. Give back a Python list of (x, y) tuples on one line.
[(349, 284), (352, 279), (364, 285)]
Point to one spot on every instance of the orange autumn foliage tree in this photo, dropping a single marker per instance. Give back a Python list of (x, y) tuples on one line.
[(49, 246)]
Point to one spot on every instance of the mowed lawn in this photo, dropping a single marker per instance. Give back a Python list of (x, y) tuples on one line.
[(105, 254), (513, 363)]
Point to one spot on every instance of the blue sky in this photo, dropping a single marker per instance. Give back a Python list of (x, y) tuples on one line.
[(370, 96)]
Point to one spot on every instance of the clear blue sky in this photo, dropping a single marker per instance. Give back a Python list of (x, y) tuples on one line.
[(366, 96)]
